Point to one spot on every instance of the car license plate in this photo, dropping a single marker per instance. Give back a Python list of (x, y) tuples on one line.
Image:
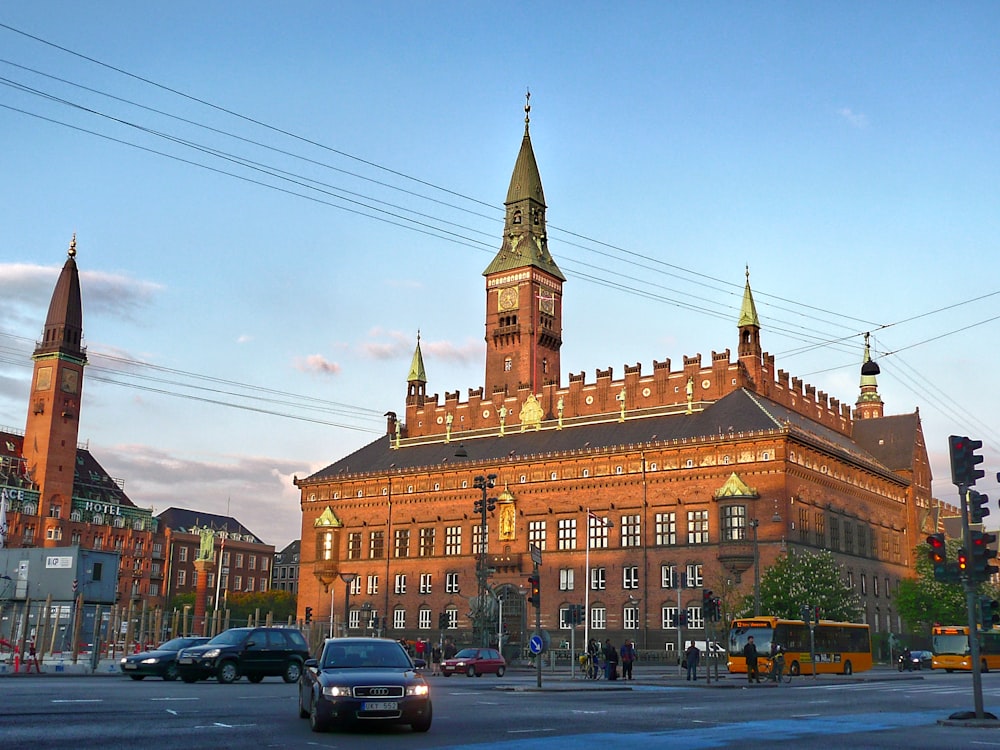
[(131, 666), (186, 660), (380, 706)]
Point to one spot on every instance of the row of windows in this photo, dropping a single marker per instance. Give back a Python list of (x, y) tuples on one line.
[(238, 581), (667, 532), (183, 553)]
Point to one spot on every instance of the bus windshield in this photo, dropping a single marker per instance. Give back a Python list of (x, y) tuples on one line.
[(762, 638), (951, 644)]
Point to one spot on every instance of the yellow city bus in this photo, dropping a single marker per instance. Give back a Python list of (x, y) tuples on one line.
[(951, 651), (841, 647)]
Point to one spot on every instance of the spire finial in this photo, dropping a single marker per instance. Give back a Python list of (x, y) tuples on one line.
[(748, 273), (72, 247), (527, 108)]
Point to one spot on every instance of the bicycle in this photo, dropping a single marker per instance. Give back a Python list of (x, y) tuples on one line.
[(591, 669), (776, 670)]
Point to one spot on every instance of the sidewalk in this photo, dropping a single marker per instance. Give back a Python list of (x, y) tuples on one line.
[(57, 666)]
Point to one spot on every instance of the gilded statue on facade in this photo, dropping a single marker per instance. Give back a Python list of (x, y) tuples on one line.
[(531, 413), (207, 549)]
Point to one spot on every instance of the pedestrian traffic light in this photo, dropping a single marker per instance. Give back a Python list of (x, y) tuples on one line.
[(977, 506), (980, 568), (534, 584), (989, 612), (962, 452), (309, 615), (442, 621)]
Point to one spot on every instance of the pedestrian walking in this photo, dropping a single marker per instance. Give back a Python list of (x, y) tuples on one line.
[(691, 657), (750, 655), (449, 648), (628, 655), (611, 658), (436, 660)]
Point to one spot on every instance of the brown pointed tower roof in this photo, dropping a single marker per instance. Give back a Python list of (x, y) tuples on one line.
[(63, 331)]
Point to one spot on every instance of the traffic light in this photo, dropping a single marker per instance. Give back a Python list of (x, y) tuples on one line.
[(962, 451), (534, 583), (682, 618), (938, 555), (977, 506), (443, 621), (963, 561), (309, 615), (806, 611), (716, 609), (816, 614), (979, 561), (707, 604), (989, 612)]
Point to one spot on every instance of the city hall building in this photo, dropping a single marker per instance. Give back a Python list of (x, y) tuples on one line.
[(636, 492)]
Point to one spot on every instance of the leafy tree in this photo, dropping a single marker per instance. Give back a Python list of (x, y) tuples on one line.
[(280, 605), (799, 578)]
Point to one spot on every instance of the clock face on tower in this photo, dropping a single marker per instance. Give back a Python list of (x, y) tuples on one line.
[(507, 299), (70, 381)]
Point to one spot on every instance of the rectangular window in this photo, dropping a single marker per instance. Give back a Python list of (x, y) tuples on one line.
[(237, 582), (804, 525), (263, 563), (426, 542), (402, 543), (835, 534), (694, 576), (399, 619), (864, 585), (252, 562), (874, 585), (182, 578), (353, 619), (734, 523), (631, 531), (98, 571), (157, 549), (329, 553), (400, 587), (566, 579), (696, 618), (239, 559), (354, 545), (536, 534), (451, 583), (250, 582), (630, 617), (848, 538), (668, 618), (376, 545), (264, 584), (564, 623), (666, 529), (598, 579), (820, 529), (225, 558), (697, 527), (598, 618), (182, 553), (424, 619), (453, 540), (862, 539), (372, 584), (668, 576), (567, 533), (356, 586), (480, 542), (630, 577), (598, 531), (425, 583), (452, 618)]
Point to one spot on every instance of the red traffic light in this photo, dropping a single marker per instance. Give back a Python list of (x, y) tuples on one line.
[(963, 560), (534, 585), (938, 550)]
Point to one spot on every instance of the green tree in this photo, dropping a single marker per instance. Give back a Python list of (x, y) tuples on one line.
[(799, 578)]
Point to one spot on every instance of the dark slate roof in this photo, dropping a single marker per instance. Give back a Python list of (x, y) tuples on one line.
[(90, 480), (183, 519), (739, 412), (890, 439)]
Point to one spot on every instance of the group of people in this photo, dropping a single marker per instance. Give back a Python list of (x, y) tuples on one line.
[(607, 658), (751, 655), (437, 652)]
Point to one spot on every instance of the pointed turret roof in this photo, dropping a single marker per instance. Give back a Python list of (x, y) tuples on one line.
[(748, 311), (417, 373), (525, 182), (63, 331)]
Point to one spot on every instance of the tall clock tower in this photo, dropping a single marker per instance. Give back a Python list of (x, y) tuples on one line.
[(52, 429), (523, 289)]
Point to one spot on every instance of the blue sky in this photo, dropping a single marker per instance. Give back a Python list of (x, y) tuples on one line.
[(847, 152)]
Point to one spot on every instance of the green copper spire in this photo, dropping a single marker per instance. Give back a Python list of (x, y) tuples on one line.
[(748, 312), (417, 373)]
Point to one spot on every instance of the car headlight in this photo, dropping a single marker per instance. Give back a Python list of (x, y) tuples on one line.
[(459, 663), (417, 690), (211, 653), (150, 660), (336, 691)]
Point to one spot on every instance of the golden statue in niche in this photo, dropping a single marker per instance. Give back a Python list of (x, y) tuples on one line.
[(507, 516), (531, 413)]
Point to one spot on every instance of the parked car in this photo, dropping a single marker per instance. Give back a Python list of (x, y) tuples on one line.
[(160, 661), (364, 680), (254, 652), (917, 660), (475, 662)]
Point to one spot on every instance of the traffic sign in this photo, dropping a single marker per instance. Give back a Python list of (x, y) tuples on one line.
[(536, 554), (536, 645)]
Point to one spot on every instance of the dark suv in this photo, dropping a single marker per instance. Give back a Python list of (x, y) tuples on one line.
[(254, 652)]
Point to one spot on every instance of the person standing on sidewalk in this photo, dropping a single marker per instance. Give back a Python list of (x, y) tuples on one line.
[(691, 657), (628, 657), (611, 658), (750, 654)]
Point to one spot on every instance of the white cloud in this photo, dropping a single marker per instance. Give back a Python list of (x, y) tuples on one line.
[(856, 119), (317, 363)]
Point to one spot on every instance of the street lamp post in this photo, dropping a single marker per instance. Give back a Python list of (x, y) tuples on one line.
[(754, 523), (482, 506), (348, 579)]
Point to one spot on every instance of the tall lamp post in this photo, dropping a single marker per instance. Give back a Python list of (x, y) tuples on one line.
[(348, 579), (482, 506), (754, 523), (607, 524)]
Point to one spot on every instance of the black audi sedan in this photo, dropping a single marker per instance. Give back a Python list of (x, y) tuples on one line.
[(363, 680), (160, 661)]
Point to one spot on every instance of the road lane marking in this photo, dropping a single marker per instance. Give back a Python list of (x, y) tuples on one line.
[(80, 700), (175, 699), (529, 731)]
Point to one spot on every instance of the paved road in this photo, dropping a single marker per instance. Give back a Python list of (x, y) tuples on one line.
[(880, 709)]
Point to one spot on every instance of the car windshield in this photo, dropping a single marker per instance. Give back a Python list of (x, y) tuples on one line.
[(373, 655), (228, 638), (175, 644), (467, 653)]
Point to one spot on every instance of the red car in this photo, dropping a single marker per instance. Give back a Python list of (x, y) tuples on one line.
[(475, 662)]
